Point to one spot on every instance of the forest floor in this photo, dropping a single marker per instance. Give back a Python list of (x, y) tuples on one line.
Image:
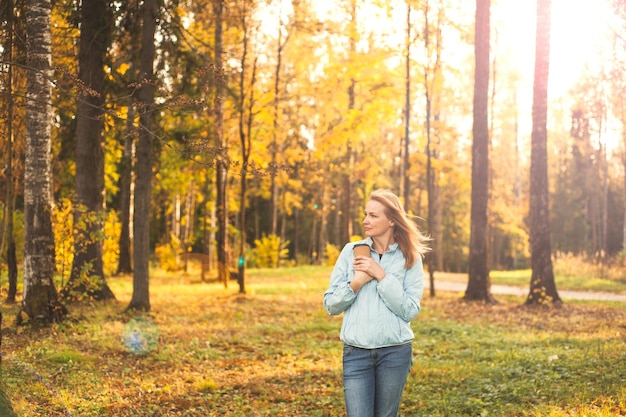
[(205, 350)]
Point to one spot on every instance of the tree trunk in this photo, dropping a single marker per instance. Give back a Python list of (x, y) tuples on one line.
[(274, 145), (348, 189), (143, 184), (40, 301), (406, 165), (479, 283), (9, 202), (278, 144), (124, 265), (87, 275), (429, 171), (542, 285), (323, 238), (222, 163), (246, 117), (127, 177)]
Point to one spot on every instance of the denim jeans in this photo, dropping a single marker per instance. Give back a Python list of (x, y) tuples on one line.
[(373, 379)]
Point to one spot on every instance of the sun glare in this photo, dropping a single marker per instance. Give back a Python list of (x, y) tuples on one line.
[(579, 37), (579, 42)]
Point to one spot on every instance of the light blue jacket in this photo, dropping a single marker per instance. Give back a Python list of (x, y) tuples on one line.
[(379, 315)]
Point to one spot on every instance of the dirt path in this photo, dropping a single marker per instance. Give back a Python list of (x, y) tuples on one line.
[(522, 292)]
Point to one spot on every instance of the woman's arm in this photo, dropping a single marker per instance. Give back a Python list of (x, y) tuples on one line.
[(340, 294), (402, 294)]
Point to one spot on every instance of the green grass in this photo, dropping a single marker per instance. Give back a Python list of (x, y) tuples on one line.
[(571, 273), (485, 370), (275, 352), (564, 280), (586, 279)]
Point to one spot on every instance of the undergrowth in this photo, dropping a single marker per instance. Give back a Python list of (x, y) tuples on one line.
[(275, 352)]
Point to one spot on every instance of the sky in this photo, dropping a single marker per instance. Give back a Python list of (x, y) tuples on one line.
[(579, 32), (579, 36)]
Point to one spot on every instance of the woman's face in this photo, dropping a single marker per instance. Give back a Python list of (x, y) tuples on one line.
[(376, 223)]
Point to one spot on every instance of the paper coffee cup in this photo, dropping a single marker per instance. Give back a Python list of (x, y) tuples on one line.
[(362, 249)]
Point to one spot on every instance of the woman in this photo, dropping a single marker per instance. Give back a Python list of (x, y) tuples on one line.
[(379, 295)]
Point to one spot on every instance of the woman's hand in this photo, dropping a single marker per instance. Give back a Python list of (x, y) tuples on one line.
[(369, 266), (359, 280)]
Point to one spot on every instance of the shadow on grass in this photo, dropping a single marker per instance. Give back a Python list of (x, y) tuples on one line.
[(310, 393), (6, 409)]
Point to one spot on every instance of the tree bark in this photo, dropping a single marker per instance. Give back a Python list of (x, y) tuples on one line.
[(40, 300), (347, 230), (87, 275), (143, 185), (246, 117), (542, 285), (429, 170), (125, 265), (222, 163), (479, 283), (9, 202), (125, 261), (406, 165)]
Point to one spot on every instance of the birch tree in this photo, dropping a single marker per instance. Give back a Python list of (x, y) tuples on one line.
[(40, 300)]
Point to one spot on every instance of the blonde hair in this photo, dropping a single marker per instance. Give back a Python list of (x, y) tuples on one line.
[(411, 241)]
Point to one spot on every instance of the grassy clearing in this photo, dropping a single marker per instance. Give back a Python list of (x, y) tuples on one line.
[(275, 352)]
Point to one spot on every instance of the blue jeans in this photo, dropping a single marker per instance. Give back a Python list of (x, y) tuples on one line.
[(373, 379)]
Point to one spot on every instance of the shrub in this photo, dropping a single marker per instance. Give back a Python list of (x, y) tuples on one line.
[(269, 252), (571, 265), (167, 254), (111, 247), (331, 254), (63, 224), (63, 228)]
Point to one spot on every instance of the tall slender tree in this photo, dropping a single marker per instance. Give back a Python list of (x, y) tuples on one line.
[(405, 178), (124, 265), (347, 176), (40, 300), (432, 92), (131, 24), (143, 185), (9, 235), (279, 142), (276, 145), (245, 109), (222, 161), (428, 92), (479, 283), (96, 20), (542, 285)]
